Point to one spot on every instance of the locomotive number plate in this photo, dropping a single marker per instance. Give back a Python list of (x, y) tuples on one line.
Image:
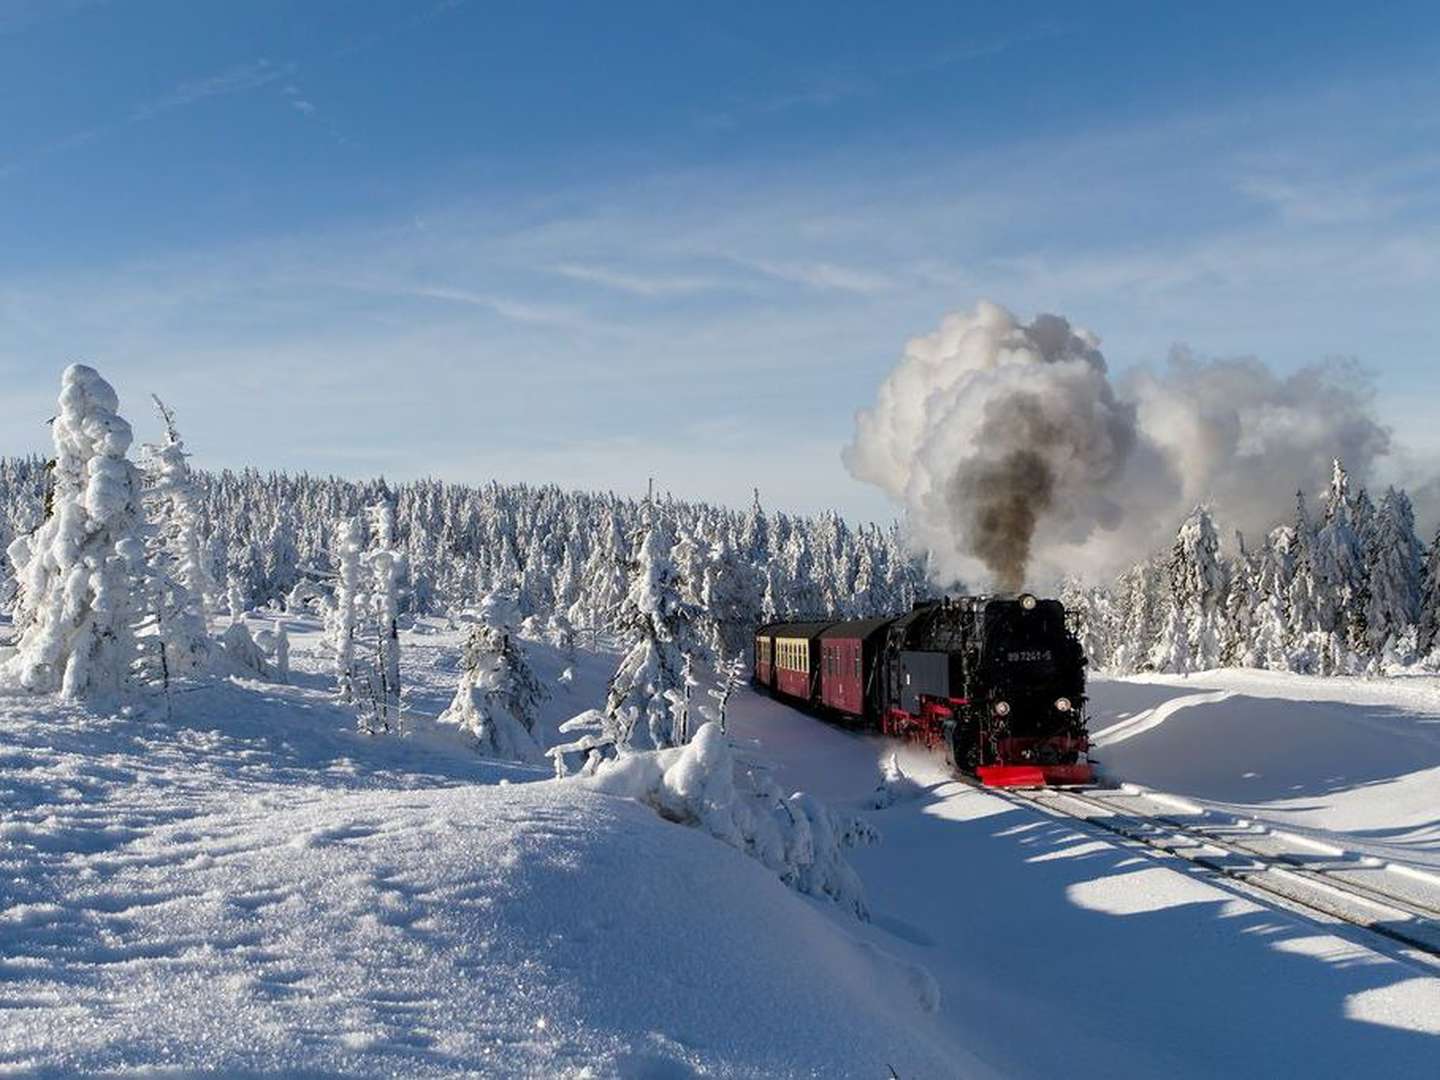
[(1027, 656)]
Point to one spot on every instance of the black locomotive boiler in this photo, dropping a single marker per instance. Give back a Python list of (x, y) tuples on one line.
[(998, 682)]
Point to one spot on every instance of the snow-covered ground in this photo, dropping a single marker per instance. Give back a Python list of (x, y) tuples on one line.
[(249, 887), (1352, 761)]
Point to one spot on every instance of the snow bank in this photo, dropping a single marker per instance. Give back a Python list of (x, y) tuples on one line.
[(223, 901), (1351, 762), (702, 784)]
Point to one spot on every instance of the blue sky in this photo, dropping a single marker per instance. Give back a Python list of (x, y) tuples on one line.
[(592, 243)]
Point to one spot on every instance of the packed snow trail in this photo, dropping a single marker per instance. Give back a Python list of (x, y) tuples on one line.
[(1059, 952)]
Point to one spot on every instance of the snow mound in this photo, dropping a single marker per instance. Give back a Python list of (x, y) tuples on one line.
[(894, 786), (225, 902), (1153, 718), (702, 784)]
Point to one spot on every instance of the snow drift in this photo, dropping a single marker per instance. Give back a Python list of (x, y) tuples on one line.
[(702, 784), (229, 901)]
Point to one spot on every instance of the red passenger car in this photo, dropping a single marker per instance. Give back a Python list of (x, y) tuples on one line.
[(847, 662), (787, 659)]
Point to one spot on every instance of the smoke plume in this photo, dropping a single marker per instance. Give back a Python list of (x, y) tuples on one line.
[(1018, 459)]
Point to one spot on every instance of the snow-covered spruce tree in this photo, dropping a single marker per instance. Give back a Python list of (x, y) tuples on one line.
[(1357, 636), (498, 696), (1394, 561), (386, 567), (1337, 565), (1311, 647), (654, 622), (1088, 610), (1242, 604), (177, 579), (1428, 638), (77, 573), (1270, 631), (687, 556), (799, 569), (559, 633), (349, 549), (679, 700), (281, 557), (1139, 609), (567, 580), (182, 587), (603, 580), (728, 612), (1191, 639)]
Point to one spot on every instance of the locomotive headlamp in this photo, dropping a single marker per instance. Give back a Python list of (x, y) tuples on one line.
[(1063, 704), (1027, 602), (1002, 708)]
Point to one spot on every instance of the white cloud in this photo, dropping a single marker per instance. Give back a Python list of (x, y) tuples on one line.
[(639, 284), (233, 80), (824, 275)]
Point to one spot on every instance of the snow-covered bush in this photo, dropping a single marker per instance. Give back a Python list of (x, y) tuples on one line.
[(243, 652), (894, 786), (78, 572), (275, 644), (306, 596), (559, 633), (731, 677), (498, 696), (702, 784), (596, 742)]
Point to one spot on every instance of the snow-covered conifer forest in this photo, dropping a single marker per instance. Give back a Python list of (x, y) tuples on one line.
[(1341, 585), (291, 541), (1345, 588)]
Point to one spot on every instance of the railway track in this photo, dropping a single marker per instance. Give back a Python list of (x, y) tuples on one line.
[(1305, 882)]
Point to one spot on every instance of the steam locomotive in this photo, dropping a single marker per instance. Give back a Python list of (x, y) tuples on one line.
[(998, 682)]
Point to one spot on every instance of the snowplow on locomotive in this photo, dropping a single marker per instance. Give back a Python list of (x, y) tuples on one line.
[(998, 683)]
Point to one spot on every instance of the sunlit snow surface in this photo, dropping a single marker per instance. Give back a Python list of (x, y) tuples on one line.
[(1354, 762), (249, 888)]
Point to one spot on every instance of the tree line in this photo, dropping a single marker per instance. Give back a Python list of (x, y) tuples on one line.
[(1349, 589)]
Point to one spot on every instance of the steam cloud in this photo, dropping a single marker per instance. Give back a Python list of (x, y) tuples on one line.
[(1018, 458)]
